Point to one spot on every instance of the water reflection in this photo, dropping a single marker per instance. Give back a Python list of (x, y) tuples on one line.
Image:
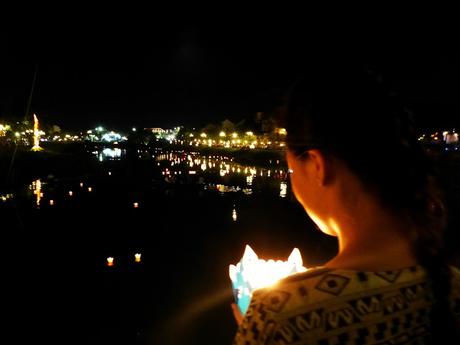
[(283, 189), (109, 153), (234, 214), (218, 170), (5, 197), (37, 189)]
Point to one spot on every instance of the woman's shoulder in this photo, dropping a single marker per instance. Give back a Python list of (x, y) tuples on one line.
[(321, 286), (331, 278)]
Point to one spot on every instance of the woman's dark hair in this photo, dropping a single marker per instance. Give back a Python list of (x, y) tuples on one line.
[(350, 113)]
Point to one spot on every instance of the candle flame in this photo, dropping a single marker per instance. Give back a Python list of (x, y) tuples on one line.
[(263, 273), (252, 273)]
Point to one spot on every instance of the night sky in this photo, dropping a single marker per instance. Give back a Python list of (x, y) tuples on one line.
[(149, 74)]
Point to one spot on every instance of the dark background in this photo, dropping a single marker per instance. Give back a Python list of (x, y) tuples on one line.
[(151, 70)]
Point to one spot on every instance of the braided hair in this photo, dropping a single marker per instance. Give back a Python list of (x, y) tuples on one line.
[(352, 114)]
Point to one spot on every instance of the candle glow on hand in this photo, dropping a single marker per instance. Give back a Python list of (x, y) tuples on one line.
[(252, 273)]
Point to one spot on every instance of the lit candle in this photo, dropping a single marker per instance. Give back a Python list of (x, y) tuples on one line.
[(252, 273), (81, 184), (90, 189), (70, 193), (51, 202), (137, 257), (136, 205), (110, 261)]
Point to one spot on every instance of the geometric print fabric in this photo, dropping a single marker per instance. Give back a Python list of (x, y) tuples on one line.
[(324, 306)]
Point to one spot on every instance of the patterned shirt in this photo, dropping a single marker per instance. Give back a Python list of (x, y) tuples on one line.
[(334, 306)]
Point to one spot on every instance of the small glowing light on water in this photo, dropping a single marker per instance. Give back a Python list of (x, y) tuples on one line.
[(234, 215), (136, 205), (70, 193), (137, 257), (192, 172), (90, 189), (81, 184), (283, 189), (51, 202), (110, 261), (110, 173), (41, 195)]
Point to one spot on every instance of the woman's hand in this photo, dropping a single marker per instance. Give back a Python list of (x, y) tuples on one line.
[(237, 314)]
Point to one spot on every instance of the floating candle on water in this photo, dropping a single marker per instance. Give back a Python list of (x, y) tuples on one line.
[(137, 257), (51, 202), (70, 193), (136, 205), (110, 261)]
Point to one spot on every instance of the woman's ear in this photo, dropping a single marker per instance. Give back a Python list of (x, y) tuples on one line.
[(319, 167)]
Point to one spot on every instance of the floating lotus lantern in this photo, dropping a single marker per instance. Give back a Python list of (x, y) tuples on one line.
[(110, 261), (252, 273)]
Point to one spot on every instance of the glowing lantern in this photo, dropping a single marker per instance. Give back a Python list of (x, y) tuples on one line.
[(137, 257), (234, 215), (81, 184), (136, 205), (110, 261), (252, 273), (90, 189), (36, 132), (70, 193), (51, 202)]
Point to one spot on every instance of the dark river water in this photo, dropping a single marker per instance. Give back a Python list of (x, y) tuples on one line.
[(188, 216)]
